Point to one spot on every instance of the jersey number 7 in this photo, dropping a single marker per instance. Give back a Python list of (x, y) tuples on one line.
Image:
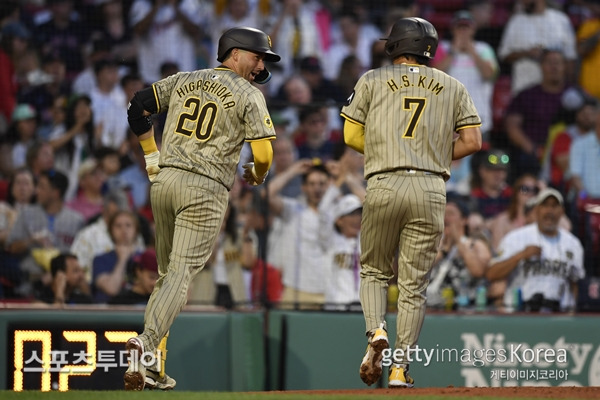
[(416, 105)]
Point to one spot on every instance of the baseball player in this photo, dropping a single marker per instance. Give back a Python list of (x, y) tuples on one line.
[(542, 259), (403, 117), (211, 113)]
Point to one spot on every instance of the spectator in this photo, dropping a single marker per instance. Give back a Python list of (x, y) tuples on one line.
[(294, 239), (350, 72), (221, 282), (580, 121), (64, 36), (232, 14), (43, 229), (95, 239), (285, 154), (314, 138), (588, 48), (471, 62), (73, 140), (356, 40), (584, 164), (20, 193), (88, 201), (109, 273), (531, 112), (293, 94), (40, 158), (323, 90), (295, 34), (347, 170), (114, 31), (85, 81), (488, 30), (41, 95), (461, 260), (526, 36), (22, 133), (524, 189), (13, 45), (541, 259), (142, 272), (489, 189), (109, 105), (166, 31), (68, 282), (343, 254), (134, 177)]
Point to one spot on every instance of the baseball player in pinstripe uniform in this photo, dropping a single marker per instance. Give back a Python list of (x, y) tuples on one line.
[(211, 113), (403, 117)]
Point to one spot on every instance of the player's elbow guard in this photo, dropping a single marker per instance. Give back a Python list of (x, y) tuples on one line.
[(141, 101)]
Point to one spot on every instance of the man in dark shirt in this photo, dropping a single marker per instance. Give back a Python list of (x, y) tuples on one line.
[(68, 282)]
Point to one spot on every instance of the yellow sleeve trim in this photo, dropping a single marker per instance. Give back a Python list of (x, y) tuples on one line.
[(348, 118), (467, 126), (156, 99), (262, 151)]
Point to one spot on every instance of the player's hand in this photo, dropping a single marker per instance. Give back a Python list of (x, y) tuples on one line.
[(250, 175), (152, 167)]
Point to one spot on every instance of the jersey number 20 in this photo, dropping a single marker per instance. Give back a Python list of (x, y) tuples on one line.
[(416, 105), (202, 119)]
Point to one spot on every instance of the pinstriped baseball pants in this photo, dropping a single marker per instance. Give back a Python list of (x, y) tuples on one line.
[(403, 212), (188, 211)]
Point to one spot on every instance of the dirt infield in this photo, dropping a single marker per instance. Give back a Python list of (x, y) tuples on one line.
[(567, 392)]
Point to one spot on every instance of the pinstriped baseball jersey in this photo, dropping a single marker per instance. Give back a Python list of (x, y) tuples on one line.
[(212, 112), (409, 113)]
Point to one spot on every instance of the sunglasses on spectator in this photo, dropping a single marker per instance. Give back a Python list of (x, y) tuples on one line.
[(529, 189)]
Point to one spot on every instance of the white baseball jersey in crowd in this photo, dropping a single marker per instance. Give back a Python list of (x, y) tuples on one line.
[(560, 263)]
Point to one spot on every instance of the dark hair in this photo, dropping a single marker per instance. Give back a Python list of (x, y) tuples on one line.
[(70, 122), (307, 111), (57, 180), (231, 223), (59, 263), (316, 167), (131, 77)]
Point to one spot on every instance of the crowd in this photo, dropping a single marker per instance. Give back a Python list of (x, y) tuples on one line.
[(75, 220)]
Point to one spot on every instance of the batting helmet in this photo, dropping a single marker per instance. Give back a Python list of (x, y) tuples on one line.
[(247, 39), (412, 36)]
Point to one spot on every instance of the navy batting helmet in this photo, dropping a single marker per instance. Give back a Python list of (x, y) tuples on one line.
[(246, 38), (414, 36)]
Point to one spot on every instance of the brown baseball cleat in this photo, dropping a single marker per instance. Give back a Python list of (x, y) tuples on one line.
[(135, 376), (371, 366)]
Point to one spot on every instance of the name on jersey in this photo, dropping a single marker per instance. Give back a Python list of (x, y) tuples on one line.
[(558, 268), (412, 81), (212, 87)]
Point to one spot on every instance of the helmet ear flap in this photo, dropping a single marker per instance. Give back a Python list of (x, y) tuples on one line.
[(263, 76)]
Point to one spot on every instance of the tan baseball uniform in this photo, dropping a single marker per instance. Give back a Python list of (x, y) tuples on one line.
[(211, 113), (409, 114)]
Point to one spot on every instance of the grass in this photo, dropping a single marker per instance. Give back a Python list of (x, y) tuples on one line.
[(174, 395)]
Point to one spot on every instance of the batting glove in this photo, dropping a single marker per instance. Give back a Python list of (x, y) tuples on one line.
[(152, 167), (250, 175)]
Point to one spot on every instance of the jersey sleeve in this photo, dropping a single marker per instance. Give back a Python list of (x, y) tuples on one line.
[(467, 115), (358, 104), (163, 90), (258, 124)]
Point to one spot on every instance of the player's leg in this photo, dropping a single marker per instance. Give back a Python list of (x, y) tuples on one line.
[(163, 210), (201, 208), (379, 240), (418, 245)]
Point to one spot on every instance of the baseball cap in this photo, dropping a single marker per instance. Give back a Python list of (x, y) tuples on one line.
[(549, 192), (147, 260), (462, 17), (311, 64), (496, 159), (347, 205), (23, 112)]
